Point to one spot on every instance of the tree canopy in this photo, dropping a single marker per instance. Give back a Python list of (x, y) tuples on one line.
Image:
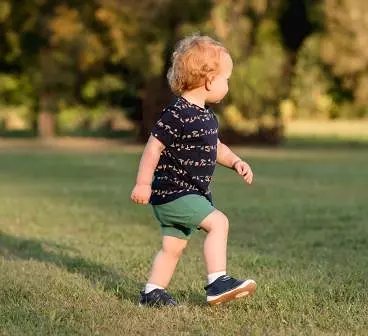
[(300, 59)]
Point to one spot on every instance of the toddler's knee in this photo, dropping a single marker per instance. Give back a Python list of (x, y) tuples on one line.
[(175, 252), (174, 249), (224, 223), (216, 221), (221, 223)]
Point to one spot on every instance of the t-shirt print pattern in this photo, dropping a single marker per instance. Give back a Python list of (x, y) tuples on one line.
[(188, 161)]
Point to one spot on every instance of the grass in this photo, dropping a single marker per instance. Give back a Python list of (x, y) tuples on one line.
[(74, 251), (330, 132)]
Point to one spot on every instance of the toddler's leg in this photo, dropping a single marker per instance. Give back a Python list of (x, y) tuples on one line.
[(166, 260), (216, 225), (164, 264), (221, 287)]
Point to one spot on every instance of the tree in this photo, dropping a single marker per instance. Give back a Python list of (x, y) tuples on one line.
[(344, 49), (160, 25), (63, 49), (249, 29), (312, 83)]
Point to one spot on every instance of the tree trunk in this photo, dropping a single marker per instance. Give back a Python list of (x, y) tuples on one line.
[(156, 95), (47, 107), (46, 117)]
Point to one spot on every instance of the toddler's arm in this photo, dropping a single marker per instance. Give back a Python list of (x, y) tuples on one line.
[(150, 157), (227, 158)]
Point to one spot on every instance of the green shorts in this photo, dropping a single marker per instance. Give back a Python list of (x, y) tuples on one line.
[(179, 218)]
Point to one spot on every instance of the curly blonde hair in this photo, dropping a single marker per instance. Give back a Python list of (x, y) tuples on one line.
[(194, 58)]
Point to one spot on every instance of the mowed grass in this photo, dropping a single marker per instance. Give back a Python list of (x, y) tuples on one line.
[(337, 130), (75, 252)]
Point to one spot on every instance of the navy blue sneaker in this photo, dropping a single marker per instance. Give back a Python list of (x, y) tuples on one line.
[(157, 298), (226, 288)]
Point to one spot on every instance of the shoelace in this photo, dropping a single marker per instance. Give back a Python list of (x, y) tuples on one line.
[(224, 278)]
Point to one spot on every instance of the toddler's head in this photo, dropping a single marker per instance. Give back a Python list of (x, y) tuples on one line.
[(200, 62)]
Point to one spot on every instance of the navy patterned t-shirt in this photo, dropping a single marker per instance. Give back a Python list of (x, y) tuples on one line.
[(188, 161)]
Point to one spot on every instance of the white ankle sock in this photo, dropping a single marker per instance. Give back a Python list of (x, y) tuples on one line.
[(213, 276), (150, 287)]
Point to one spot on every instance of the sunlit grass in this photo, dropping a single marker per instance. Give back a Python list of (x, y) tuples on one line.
[(334, 129), (74, 251)]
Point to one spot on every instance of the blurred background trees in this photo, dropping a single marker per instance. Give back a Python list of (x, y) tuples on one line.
[(100, 65)]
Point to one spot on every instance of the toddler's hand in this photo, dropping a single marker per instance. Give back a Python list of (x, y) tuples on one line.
[(244, 170), (141, 193)]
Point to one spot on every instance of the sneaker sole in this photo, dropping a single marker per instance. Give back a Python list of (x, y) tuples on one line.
[(247, 288)]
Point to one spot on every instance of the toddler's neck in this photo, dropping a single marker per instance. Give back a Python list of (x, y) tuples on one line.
[(194, 98)]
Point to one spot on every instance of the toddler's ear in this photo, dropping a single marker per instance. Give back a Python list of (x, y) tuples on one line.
[(209, 80)]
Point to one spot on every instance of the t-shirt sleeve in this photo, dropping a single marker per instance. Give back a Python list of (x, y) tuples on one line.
[(168, 128)]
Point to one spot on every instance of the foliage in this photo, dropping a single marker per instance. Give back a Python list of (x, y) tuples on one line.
[(312, 83), (116, 53), (344, 46), (250, 32), (257, 82), (15, 90)]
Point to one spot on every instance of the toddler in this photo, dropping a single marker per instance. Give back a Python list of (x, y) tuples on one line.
[(176, 169)]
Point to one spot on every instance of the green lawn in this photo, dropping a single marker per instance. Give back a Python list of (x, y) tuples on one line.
[(74, 251)]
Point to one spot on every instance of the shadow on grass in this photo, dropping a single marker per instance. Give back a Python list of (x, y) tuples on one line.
[(100, 276)]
